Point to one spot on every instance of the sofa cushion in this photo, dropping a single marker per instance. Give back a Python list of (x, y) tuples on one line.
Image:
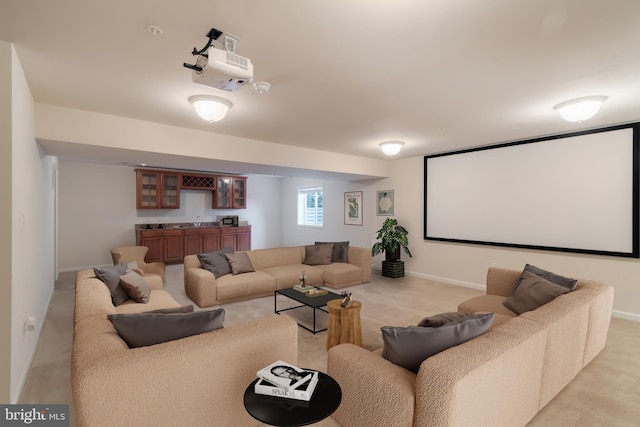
[(143, 329), (318, 254), (240, 263), (159, 298), (110, 276), (339, 274), (486, 303), (288, 275), (243, 286), (135, 286), (443, 318), (532, 292), (340, 251), (410, 346), (216, 262), (567, 282)]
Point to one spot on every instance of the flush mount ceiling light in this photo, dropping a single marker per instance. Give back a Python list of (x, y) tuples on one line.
[(210, 108), (580, 109), (391, 148)]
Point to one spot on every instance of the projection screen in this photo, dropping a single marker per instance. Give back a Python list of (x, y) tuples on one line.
[(576, 192)]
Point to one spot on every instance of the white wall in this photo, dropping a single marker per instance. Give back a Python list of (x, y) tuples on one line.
[(97, 210), (32, 223)]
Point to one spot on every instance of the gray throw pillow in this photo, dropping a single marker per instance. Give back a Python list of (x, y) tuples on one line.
[(340, 251), (410, 346), (532, 292), (110, 276), (567, 282), (181, 309), (135, 286), (318, 254), (143, 329), (216, 262), (240, 263), (443, 318)]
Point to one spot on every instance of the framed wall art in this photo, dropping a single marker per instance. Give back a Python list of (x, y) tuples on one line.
[(353, 208), (384, 202)]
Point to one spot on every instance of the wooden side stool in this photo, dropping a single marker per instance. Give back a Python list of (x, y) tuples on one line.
[(344, 323)]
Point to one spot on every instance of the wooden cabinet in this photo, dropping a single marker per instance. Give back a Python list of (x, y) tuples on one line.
[(172, 245), (231, 193), (239, 238), (157, 189), (201, 240)]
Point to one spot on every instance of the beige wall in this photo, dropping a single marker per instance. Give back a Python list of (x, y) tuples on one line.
[(27, 217), (97, 211)]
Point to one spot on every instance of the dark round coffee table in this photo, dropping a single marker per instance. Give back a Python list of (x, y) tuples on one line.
[(282, 412)]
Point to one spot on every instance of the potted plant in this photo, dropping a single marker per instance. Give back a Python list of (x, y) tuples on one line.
[(392, 237)]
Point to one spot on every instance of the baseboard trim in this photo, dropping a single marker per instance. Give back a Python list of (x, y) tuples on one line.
[(625, 315), (67, 270)]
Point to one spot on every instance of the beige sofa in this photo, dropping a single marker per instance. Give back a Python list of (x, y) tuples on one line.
[(500, 378), (276, 268), (195, 381)]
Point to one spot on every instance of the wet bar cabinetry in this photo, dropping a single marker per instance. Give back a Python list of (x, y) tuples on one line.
[(171, 244), (160, 189)]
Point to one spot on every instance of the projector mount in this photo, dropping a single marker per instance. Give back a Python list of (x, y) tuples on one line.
[(228, 43)]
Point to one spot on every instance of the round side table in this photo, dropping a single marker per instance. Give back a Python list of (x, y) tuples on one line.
[(279, 411), (344, 323)]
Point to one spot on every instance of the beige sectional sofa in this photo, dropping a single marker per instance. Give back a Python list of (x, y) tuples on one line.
[(195, 381), (275, 268), (500, 378)]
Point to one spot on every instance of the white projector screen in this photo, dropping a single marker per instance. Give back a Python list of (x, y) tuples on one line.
[(575, 193)]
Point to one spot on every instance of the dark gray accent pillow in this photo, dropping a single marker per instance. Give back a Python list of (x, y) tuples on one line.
[(135, 287), (318, 254), (410, 346), (443, 318), (567, 282), (110, 276), (143, 329), (340, 251), (240, 263), (181, 309), (216, 262), (532, 292)]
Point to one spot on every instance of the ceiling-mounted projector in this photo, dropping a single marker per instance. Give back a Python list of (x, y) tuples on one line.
[(223, 69)]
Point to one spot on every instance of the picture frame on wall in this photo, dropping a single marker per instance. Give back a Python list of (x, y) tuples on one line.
[(385, 203), (353, 208)]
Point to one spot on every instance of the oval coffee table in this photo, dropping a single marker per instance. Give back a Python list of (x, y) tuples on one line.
[(282, 412)]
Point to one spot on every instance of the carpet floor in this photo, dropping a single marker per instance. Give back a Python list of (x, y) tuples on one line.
[(606, 392)]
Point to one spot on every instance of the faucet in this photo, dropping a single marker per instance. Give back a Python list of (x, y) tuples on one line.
[(197, 223)]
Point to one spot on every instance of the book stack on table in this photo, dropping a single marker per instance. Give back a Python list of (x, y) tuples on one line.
[(310, 291), (281, 379)]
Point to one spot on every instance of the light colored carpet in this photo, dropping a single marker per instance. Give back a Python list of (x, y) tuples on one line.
[(606, 392)]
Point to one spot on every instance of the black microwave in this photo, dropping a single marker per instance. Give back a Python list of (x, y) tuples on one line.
[(228, 220)]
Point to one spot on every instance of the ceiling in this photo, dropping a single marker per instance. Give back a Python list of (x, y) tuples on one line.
[(439, 75)]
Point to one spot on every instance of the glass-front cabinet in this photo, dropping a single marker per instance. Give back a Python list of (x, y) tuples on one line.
[(231, 193), (158, 190)]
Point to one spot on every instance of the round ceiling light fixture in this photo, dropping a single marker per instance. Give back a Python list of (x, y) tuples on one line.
[(580, 109), (391, 148), (210, 108)]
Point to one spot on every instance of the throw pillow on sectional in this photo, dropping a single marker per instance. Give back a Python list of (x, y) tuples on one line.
[(318, 254), (110, 276), (144, 329), (240, 263), (181, 309), (567, 282), (443, 318), (135, 286), (340, 251), (216, 262), (410, 346), (532, 292)]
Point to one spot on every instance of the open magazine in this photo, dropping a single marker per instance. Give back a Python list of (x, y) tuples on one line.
[(285, 375)]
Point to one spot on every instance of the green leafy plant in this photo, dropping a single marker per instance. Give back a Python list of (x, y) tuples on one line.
[(392, 237)]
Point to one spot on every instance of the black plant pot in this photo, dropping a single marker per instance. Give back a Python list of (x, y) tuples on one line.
[(392, 255)]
